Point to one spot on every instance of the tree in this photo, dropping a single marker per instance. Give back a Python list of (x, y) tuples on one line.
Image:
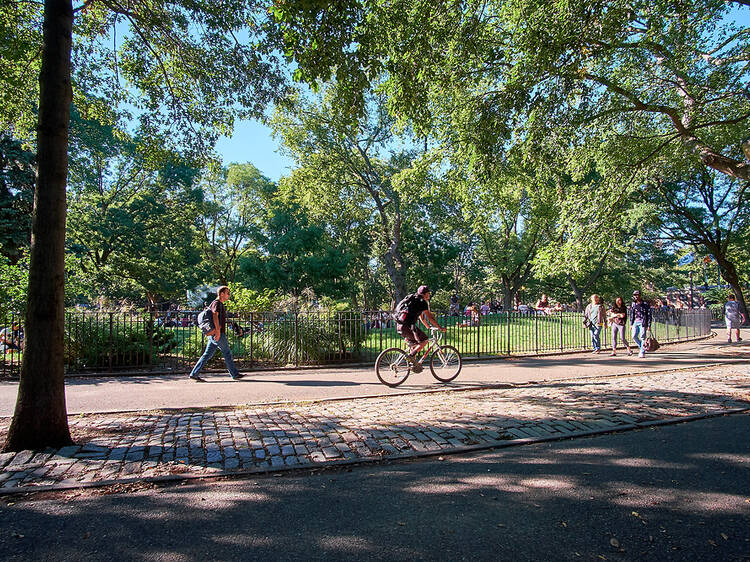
[(706, 209), (182, 65), (234, 203), (294, 255), (341, 167), (17, 174), (132, 214)]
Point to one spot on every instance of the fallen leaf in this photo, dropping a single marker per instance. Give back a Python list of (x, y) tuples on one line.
[(563, 523), (614, 542), (441, 458), (401, 524), (501, 524), (712, 543), (723, 536)]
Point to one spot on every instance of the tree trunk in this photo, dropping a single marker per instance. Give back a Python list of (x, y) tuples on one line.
[(40, 418), (394, 263), (577, 292)]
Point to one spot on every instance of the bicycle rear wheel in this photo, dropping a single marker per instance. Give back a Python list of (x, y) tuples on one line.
[(392, 367), (445, 363)]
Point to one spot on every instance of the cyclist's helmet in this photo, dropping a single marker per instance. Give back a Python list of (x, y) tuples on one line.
[(423, 289)]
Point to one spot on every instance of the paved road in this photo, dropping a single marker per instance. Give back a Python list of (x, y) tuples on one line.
[(109, 394), (670, 493)]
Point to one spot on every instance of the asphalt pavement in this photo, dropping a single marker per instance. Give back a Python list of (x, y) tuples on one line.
[(148, 392), (677, 492)]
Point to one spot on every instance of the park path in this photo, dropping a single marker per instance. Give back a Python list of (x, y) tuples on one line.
[(93, 394), (118, 448)]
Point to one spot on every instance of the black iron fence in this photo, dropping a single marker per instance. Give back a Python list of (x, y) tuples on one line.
[(110, 342)]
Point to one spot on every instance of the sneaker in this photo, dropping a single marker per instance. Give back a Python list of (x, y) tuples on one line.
[(238, 377), (612, 354), (729, 340), (630, 352), (196, 378), (416, 368), (739, 338), (641, 355)]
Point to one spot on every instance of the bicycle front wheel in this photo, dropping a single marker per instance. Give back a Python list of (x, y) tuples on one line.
[(445, 363), (392, 367)]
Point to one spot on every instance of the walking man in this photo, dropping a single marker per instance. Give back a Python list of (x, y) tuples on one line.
[(640, 320), (217, 338)]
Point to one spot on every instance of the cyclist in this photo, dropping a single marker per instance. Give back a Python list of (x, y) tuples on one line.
[(412, 308)]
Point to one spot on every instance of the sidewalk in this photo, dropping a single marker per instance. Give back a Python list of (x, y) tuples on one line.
[(98, 394), (117, 448)]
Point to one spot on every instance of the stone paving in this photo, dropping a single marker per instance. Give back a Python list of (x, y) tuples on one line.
[(146, 445)]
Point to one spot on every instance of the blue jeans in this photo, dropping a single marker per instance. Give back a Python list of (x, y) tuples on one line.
[(595, 333), (214, 344), (639, 332)]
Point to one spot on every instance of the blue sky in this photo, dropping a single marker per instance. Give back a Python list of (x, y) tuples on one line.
[(252, 142)]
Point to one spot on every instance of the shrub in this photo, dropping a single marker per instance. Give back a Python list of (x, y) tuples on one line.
[(90, 342)]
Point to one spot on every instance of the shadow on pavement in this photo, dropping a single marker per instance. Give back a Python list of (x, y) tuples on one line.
[(674, 493)]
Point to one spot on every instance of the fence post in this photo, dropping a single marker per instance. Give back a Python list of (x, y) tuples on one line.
[(111, 314), (562, 343), (536, 334), (340, 339), (150, 332), (296, 339), (252, 329), (507, 343)]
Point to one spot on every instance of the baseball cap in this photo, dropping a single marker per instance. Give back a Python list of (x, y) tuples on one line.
[(423, 289), (636, 293)]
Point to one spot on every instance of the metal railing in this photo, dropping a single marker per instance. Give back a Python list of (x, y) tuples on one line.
[(109, 342)]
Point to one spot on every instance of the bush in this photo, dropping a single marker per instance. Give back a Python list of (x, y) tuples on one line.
[(318, 338), (89, 343)]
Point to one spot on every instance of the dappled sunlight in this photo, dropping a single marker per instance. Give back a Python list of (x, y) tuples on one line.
[(346, 543), (555, 483), (638, 462), (739, 460), (244, 540), (450, 485), (166, 556), (592, 451), (688, 501)]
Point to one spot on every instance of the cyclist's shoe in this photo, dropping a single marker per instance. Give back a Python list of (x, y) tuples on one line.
[(416, 368)]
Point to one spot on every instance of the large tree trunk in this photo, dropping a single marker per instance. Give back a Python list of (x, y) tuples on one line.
[(577, 292), (394, 263), (40, 418)]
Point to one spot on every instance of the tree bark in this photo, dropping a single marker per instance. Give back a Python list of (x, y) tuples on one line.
[(394, 263), (40, 418), (577, 292)]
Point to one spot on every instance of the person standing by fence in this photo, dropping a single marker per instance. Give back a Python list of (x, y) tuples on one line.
[(618, 315), (733, 317), (640, 320), (596, 317), (217, 338)]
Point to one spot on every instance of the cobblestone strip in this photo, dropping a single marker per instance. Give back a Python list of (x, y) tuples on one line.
[(152, 444)]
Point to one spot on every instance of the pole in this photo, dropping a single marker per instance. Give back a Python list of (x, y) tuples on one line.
[(691, 289)]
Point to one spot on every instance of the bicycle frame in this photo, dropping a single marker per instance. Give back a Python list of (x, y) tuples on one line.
[(432, 343)]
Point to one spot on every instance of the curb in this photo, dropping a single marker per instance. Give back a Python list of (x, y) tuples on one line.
[(498, 444)]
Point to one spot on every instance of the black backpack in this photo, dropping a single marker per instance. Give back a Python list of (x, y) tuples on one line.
[(405, 306)]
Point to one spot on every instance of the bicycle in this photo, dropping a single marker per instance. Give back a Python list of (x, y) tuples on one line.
[(393, 366)]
